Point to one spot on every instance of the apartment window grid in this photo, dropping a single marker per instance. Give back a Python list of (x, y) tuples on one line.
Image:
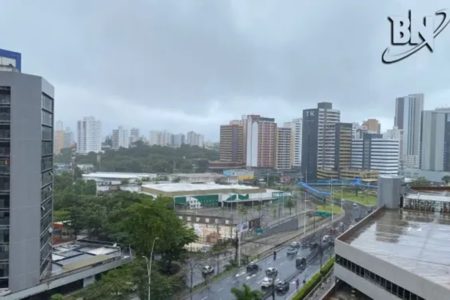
[(47, 106), (5, 146), (377, 280)]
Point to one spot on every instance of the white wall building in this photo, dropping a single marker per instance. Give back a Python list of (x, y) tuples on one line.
[(120, 138), (283, 159), (251, 140), (296, 141), (373, 152), (89, 137), (160, 138), (195, 139), (178, 140), (135, 135), (326, 138)]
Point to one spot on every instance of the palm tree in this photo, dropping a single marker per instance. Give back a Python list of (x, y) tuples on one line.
[(246, 293)]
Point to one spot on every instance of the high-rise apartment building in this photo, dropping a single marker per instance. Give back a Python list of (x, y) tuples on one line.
[(89, 137), (296, 141), (250, 123), (153, 138), (408, 118), (26, 175), (232, 143), (134, 135), (160, 138), (435, 144), (195, 139), (259, 141), (372, 126), (318, 139), (373, 152), (283, 151), (178, 140), (68, 138), (120, 138), (343, 146), (267, 143), (59, 136), (394, 134)]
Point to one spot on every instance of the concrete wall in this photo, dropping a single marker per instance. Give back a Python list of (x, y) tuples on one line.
[(389, 191)]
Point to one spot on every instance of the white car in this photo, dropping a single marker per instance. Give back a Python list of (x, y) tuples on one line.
[(271, 272), (266, 283), (207, 270)]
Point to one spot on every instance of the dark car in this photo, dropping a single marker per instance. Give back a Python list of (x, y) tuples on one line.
[(300, 263), (282, 286), (252, 268), (271, 272), (314, 246)]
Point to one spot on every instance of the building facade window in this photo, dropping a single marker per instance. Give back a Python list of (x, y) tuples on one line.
[(46, 181), (377, 280)]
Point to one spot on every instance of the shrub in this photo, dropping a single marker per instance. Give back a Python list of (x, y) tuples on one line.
[(315, 280)]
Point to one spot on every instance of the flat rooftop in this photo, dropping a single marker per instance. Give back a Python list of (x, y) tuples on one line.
[(118, 175), (435, 196), (414, 241), (71, 256), (196, 175), (193, 187)]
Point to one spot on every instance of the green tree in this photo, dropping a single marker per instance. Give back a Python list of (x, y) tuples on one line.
[(117, 284), (246, 293), (57, 297), (145, 221), (290, 204), (446, 179), (65, 156), (419, 182)]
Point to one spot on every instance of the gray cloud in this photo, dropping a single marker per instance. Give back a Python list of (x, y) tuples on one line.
[(182, 65)]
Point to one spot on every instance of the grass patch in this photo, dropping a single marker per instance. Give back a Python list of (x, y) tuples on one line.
[(367, 198), (337, 210)]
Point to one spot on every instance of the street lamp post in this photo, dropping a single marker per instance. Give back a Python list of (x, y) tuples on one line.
[(192, 265), (273, 285), (149, 266)]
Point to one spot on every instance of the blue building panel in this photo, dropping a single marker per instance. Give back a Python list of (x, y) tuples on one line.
[(12, 55)]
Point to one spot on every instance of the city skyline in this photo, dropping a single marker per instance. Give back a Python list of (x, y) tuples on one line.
[(267, 69)]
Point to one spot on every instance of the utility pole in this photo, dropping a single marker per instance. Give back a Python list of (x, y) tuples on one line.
[(332, 200), (273, 286)]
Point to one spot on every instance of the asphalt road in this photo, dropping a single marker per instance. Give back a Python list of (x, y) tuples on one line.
[(220, 289)]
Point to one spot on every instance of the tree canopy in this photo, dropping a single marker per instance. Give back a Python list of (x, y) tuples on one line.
[(144, 158), (246, 293), (130, 219)]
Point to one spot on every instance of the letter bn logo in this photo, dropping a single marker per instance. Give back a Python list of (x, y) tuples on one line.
[(414, 32)]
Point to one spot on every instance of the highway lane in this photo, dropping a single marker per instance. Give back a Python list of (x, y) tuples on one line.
[(220, 290)]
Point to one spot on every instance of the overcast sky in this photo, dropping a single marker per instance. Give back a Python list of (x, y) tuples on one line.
[(182, 65)]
